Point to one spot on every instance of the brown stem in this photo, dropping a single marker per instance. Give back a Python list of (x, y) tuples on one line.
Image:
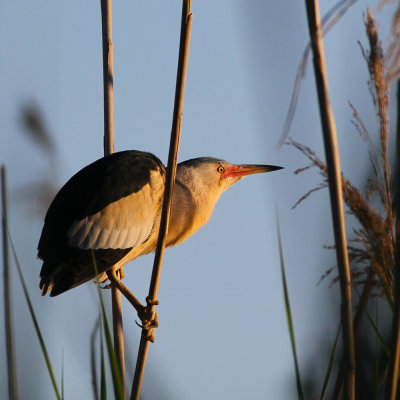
[(186, 23), (361, 307), (108, 82), (108, 76), (8, 316), (335, 190), (393, 375)]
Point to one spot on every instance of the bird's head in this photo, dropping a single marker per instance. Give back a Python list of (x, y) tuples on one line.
[(212, 176)]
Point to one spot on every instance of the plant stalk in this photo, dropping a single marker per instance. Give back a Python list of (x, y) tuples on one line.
[(361, 307), (335, 190), (108, 76), (186, 23), (108, 86), (8, 323), (393, 376)]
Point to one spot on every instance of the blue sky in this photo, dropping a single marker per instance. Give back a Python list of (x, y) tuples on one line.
[(223, 330)]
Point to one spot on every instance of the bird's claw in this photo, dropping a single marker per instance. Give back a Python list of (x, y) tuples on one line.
[(149, 319), (147, 323)]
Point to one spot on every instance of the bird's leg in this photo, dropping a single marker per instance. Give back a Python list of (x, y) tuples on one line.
[(119, 274), (149, 319)]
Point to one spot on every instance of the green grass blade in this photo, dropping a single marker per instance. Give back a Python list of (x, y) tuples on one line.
[(36, 324), (8, 322), (103, 378), (62, 375), (330, 365), (376, 366), (379, 336), (93, 359), (34, 320), (299, 386), (117, 382)]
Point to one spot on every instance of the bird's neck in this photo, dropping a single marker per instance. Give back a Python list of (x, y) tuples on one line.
[(191, 208)]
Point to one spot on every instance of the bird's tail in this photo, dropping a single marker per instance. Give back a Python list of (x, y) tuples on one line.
[(46, 285), (57, 279)]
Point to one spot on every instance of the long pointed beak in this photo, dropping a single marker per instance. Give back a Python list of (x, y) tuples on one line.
[(241, 170)]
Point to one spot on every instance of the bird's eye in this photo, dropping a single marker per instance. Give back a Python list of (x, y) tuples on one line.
[(220, 169)]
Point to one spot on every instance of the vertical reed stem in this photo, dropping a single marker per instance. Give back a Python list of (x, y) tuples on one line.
[(108, 84), (186, 23), (108, 76), (335, 190), (393, 376), (8, 323)]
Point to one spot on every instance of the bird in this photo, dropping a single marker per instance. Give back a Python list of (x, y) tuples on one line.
[(111, 209)]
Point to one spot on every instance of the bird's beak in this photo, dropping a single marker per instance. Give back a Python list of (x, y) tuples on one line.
[(241, 170)]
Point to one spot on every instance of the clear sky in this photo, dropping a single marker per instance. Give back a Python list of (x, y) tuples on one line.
[(223, 331)]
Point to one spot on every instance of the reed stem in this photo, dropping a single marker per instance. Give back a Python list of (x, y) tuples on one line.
[(393, 376), (108, 86), (147, 334), (335, 190), (8, 323)]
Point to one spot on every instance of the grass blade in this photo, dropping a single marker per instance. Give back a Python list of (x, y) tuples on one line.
[(34, 320), (62, 374), (103, 377), (116, 374), (117, 383), (375, 386), (93, 359), (8, 322), (330, 365), (300, 394), (379, 336), (31, 310)]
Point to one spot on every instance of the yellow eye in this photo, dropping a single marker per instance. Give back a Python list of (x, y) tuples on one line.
[(220, 169)]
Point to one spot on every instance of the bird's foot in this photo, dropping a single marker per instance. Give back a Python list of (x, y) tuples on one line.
[(146, 313), (148, 318)]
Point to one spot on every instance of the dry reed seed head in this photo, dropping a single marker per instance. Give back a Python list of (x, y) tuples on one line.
[(375, 250), (392, 57), (378, 84), (373, 155), (380, 93), (375, 58)]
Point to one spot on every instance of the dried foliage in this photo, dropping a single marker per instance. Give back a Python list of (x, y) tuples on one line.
[(329, 20), (372, 247), (371, 251), (392, 56)]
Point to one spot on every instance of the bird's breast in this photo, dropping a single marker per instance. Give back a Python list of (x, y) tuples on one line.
[(187, 215)]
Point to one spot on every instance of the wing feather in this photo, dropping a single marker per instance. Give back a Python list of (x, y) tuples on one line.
[(134, 214), (110, 206)]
